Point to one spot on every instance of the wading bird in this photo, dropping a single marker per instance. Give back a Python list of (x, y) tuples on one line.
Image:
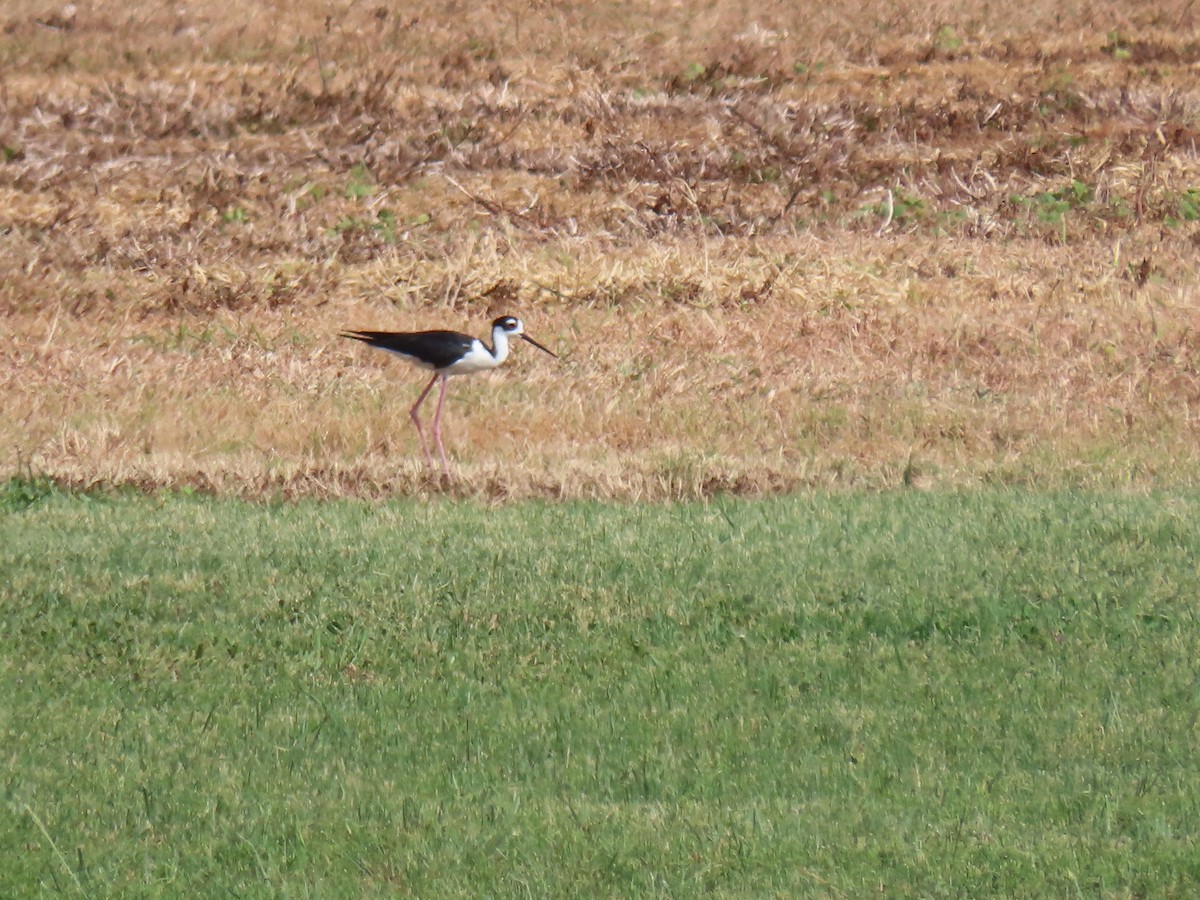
[(446, 353)]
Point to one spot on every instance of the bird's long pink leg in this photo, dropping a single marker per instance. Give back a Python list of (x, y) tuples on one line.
[(437, 427), (417, 419)]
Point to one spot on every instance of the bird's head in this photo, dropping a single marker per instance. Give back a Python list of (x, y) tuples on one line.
[(514, 327)]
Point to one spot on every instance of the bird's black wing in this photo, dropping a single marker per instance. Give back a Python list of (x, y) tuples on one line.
[(436, 349)]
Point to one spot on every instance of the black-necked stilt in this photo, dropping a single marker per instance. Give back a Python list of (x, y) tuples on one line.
[(447, 353)]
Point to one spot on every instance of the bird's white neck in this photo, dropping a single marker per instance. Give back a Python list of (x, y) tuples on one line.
[(499, 345)]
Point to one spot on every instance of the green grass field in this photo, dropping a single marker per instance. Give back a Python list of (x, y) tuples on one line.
[(833, 695)]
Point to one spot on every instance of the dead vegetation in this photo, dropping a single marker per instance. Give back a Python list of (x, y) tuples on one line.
[(855, 246)]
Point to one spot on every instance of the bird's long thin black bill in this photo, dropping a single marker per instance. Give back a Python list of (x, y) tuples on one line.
[(539, 346)]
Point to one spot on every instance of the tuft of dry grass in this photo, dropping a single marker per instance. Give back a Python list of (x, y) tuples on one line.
[(774, 251)]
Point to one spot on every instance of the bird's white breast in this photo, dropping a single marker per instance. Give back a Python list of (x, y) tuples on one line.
[(477, 359)]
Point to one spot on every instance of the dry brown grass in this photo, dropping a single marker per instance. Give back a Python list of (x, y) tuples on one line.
[(845, 247)]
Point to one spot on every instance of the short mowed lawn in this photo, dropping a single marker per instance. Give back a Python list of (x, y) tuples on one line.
[(830, 694)]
